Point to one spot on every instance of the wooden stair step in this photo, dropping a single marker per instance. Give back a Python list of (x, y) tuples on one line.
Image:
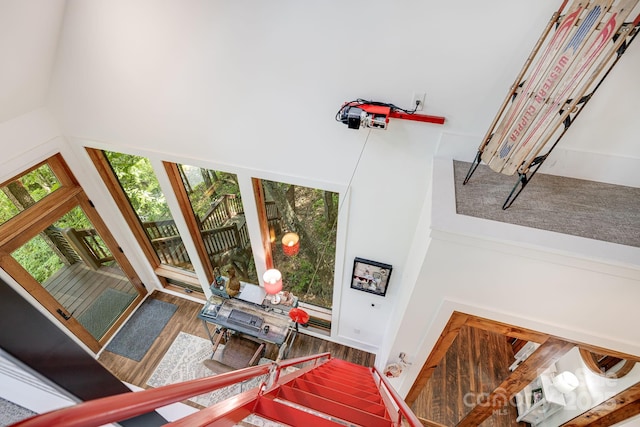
[(332, 408)]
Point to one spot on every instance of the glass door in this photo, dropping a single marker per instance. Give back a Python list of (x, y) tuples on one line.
[(60, 251)]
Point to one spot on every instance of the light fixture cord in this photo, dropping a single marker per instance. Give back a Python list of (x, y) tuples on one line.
[(340, 207)]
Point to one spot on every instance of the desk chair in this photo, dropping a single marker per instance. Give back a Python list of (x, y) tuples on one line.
[(238, 352)]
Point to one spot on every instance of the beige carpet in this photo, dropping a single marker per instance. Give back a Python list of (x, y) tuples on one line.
[(183, 361), (594, 210)]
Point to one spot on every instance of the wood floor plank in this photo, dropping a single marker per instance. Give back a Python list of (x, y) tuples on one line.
[(475, 364)]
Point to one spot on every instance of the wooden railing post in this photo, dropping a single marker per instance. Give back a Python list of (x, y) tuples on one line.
[(79, 246)]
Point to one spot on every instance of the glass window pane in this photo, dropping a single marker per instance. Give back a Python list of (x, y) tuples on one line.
[(26, 190), (73, 264), (139, 182), (311, 214), (216, 202)]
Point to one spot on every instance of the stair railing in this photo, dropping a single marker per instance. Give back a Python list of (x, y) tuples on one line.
[(404, 412), (283, 364), (126, 405)]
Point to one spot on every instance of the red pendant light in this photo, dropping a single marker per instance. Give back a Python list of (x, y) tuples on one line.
[(290, 244)]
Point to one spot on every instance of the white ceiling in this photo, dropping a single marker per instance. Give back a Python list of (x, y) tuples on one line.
[(29, 34)]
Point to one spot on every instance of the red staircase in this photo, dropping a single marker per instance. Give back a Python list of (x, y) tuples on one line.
[(338, 390), (327, 392)]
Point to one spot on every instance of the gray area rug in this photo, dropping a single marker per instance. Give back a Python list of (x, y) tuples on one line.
[(104, 311), (590, 209), (183, 361), (138, 334)]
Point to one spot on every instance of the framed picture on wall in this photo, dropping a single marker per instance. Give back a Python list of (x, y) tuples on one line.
[(370, 276)]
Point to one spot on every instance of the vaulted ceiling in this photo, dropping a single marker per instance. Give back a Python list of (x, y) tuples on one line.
[(29, 34)]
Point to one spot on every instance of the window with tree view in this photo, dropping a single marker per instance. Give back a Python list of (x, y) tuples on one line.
[(312, 214), (26, 190), (138, 180), (216, 204)]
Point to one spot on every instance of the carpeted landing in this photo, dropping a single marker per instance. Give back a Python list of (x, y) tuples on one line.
[(590, 209)]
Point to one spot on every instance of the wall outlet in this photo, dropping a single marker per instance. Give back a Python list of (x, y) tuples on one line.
[(418, 97)]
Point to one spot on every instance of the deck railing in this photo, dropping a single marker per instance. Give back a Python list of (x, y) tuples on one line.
[(222, 209), (218, 236)]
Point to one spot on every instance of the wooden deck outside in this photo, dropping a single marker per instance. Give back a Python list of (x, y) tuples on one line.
[(76, 286)]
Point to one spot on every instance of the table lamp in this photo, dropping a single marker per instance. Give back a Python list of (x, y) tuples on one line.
[(273, 284)]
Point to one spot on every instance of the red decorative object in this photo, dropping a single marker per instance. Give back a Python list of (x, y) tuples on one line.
[(290, 244), (298, 315)]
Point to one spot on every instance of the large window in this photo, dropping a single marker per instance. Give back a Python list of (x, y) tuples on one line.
[(210, 205), (216, 214), (311, 216), (138, 180)]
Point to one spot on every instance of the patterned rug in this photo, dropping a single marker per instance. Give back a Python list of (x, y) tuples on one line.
[(183, 361)]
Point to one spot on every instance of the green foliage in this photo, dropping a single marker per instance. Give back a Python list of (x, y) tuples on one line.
[(28, 189), (75, 218), (7, 209), (38, 259), (309, 274), (139, 182), (203, 194)]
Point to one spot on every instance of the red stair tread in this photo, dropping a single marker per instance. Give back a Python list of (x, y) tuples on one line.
[(289, 415), (356, 391), (376, 408), (347, 379), (356, 375), (338, 363), (335, 409)]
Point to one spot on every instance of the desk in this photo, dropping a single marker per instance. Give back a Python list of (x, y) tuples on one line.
[(260, 322)]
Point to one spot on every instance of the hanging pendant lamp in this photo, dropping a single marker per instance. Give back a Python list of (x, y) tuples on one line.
[(290, 244)]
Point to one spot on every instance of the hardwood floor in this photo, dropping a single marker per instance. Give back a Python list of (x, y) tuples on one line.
[(185, 320), (476, 363)]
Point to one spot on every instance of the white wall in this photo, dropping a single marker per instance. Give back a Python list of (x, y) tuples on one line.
[(253, 87), (553, 283)]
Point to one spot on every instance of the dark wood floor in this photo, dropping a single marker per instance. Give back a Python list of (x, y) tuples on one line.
[(185, 320), (476, 363)]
